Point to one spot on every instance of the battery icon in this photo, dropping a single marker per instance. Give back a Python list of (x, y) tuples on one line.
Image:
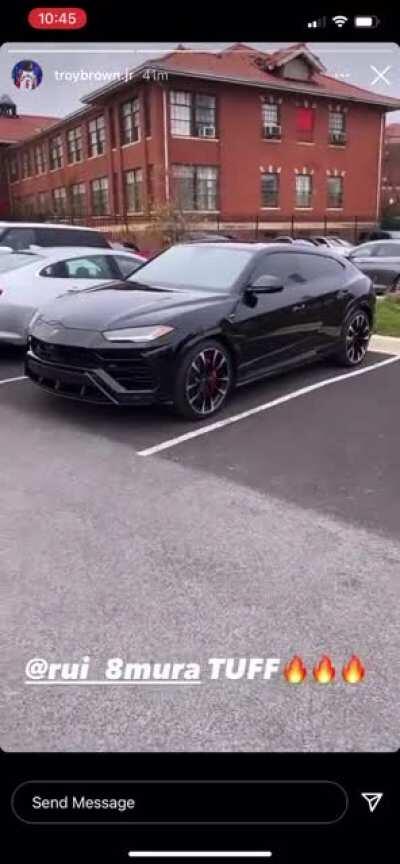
[(366, 21)]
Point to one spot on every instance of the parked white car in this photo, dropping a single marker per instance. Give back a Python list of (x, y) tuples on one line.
[(21, 235), (29, 279)]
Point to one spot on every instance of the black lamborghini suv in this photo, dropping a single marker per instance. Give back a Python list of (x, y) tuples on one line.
[(198, 320)]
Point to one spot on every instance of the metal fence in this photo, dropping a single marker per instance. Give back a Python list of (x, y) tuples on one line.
[(258, 227)]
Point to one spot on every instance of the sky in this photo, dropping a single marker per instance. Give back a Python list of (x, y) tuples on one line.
[(375, 66)]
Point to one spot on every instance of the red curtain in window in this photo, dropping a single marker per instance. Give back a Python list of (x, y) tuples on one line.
[(305, 119)]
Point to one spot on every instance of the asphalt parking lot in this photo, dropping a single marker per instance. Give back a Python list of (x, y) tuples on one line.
[(274, 531)]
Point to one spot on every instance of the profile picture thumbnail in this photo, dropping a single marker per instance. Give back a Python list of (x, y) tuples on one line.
[(27, 74)]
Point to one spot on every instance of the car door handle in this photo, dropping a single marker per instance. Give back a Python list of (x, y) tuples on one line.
[(298, 307)]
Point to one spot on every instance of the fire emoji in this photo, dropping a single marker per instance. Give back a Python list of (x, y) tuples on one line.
[(295, 671), (324, 671), (353, 672)]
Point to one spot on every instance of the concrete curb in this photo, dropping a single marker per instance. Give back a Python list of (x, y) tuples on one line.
[(385, 344)]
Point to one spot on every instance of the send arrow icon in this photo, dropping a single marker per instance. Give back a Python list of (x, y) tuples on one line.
[(372, 799)]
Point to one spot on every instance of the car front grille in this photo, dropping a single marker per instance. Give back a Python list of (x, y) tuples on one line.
[(64, 355), (128, 368), (131, 374)]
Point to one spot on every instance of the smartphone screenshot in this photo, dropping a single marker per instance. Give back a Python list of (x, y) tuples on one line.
[(199, 436)]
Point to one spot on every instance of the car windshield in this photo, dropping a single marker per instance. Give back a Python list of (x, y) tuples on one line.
[(214, 267), (15, 260)]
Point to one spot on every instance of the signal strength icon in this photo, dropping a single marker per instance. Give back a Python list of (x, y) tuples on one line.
[(340, 20), (318, 22)]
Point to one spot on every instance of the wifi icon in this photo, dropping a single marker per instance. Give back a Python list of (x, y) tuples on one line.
[(340, 20)]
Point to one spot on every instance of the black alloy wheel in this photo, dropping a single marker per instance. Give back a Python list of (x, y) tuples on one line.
[(356, 336), (203, 381)]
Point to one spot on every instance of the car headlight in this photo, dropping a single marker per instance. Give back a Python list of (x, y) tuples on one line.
[(137, 334), (35, 317)]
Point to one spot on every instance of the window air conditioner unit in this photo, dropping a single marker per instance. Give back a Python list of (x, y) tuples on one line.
[(340, 137), (272, 130), (207, 131)]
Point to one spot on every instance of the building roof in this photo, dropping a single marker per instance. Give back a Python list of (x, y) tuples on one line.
[(242, 64), (16, 129), (237, 64)]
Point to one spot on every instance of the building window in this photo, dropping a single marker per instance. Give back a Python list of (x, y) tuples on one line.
[(26, 164), (40, 159), (43, 204), (78, 199), (151, 186), (196, 186), (335, 192), (147, 116), (133, 190), (270, 189), (303, 190), (97, 136), (116, 193), (192, 114), (56, 153), (74, 144), (13, 169), (60, 201), (305, 124), (337, 127), (111, 117), (28, 206), (100, 204), (130, 121), (180, 113), (271, 121)]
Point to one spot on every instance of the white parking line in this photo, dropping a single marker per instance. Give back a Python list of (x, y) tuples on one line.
[(219, 424), (12, 380)]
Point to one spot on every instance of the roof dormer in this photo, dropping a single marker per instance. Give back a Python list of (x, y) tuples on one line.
[(296, 63)]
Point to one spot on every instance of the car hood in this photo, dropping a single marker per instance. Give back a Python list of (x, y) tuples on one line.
[(116, 306)]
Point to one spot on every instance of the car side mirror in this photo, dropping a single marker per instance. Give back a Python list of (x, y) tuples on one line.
[(266, 285)]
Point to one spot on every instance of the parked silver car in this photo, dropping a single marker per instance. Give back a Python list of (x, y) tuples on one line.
[(29, 279), (380, 260), (335, 244)]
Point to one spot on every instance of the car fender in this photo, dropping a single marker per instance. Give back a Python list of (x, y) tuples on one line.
[(359, 303), (207, 333)]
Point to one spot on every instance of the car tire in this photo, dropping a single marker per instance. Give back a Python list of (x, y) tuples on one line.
[(203, 381), (355, 339)]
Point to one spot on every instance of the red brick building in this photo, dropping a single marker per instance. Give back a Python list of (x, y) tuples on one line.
[(14, 128), (233, 137), (391, 170)]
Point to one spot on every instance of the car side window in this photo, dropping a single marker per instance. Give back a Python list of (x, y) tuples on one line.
[(284, 265), (18, 238), (314, 267), (127, 265), (69, 237), (93, 267), (388, 250), (366, 251)]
